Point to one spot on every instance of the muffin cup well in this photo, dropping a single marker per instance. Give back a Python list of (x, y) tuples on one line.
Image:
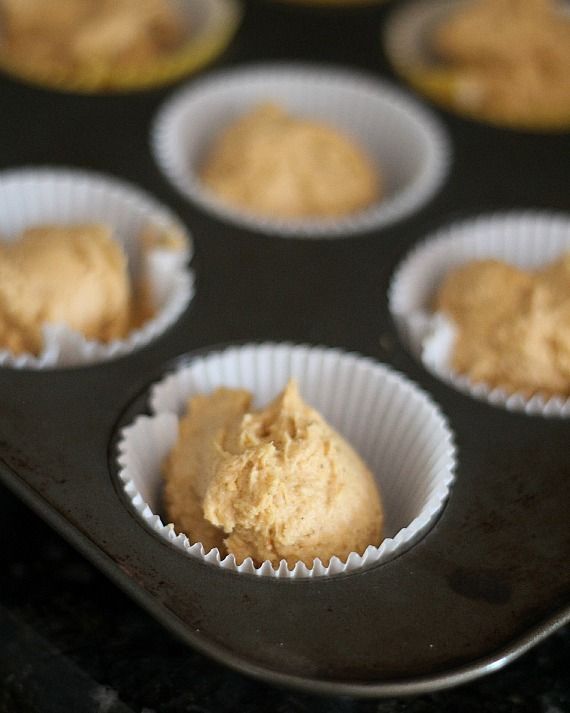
[(210, 26), (404, 141), (527, 240), (407, 35), (392, 424), (32, 197)]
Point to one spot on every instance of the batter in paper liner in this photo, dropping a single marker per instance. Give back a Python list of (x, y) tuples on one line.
[(277, 483), (89, 35), (77, 276), (270, 163), (512, 326), (73, 275), (511, 58)]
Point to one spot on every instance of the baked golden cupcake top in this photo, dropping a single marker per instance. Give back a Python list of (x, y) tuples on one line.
[(512, 326), (511, 59), (89, 35), (270, 484), (272, 164)]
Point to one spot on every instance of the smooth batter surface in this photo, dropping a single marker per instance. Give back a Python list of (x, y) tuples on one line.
[(278, 483), (513, 326), (273, 164), (72, 275), (512, 58)]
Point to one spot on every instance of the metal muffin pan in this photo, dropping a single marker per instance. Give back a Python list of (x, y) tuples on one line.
[(486, 583)]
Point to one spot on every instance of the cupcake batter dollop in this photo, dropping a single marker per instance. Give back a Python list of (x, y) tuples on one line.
[(270, 484), (72, 275), (91, 36), (512, 326), (511, 59), (272, 164)]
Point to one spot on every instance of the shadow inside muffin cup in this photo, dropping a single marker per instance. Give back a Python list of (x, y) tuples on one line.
[(528, 240), (390, 422), (405, 143), (34, 197)]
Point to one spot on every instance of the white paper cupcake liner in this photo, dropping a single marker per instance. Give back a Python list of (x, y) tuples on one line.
[(527, 240), (409, 29), (404, 140), (392, 424), (31, 197)]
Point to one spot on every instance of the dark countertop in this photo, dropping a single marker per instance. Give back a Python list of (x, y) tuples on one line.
[(70, 642)]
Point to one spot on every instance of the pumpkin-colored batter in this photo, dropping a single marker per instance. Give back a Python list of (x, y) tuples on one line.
[(513, 326), (277, 483), (511, 57), (73, 275), (89, 35), (270, 163)]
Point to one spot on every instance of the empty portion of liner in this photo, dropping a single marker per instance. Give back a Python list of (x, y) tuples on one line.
[(403, 140), (32, 197), (528, 240), (398, 431)]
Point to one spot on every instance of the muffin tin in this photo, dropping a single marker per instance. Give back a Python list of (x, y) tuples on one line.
[(488, 581)]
